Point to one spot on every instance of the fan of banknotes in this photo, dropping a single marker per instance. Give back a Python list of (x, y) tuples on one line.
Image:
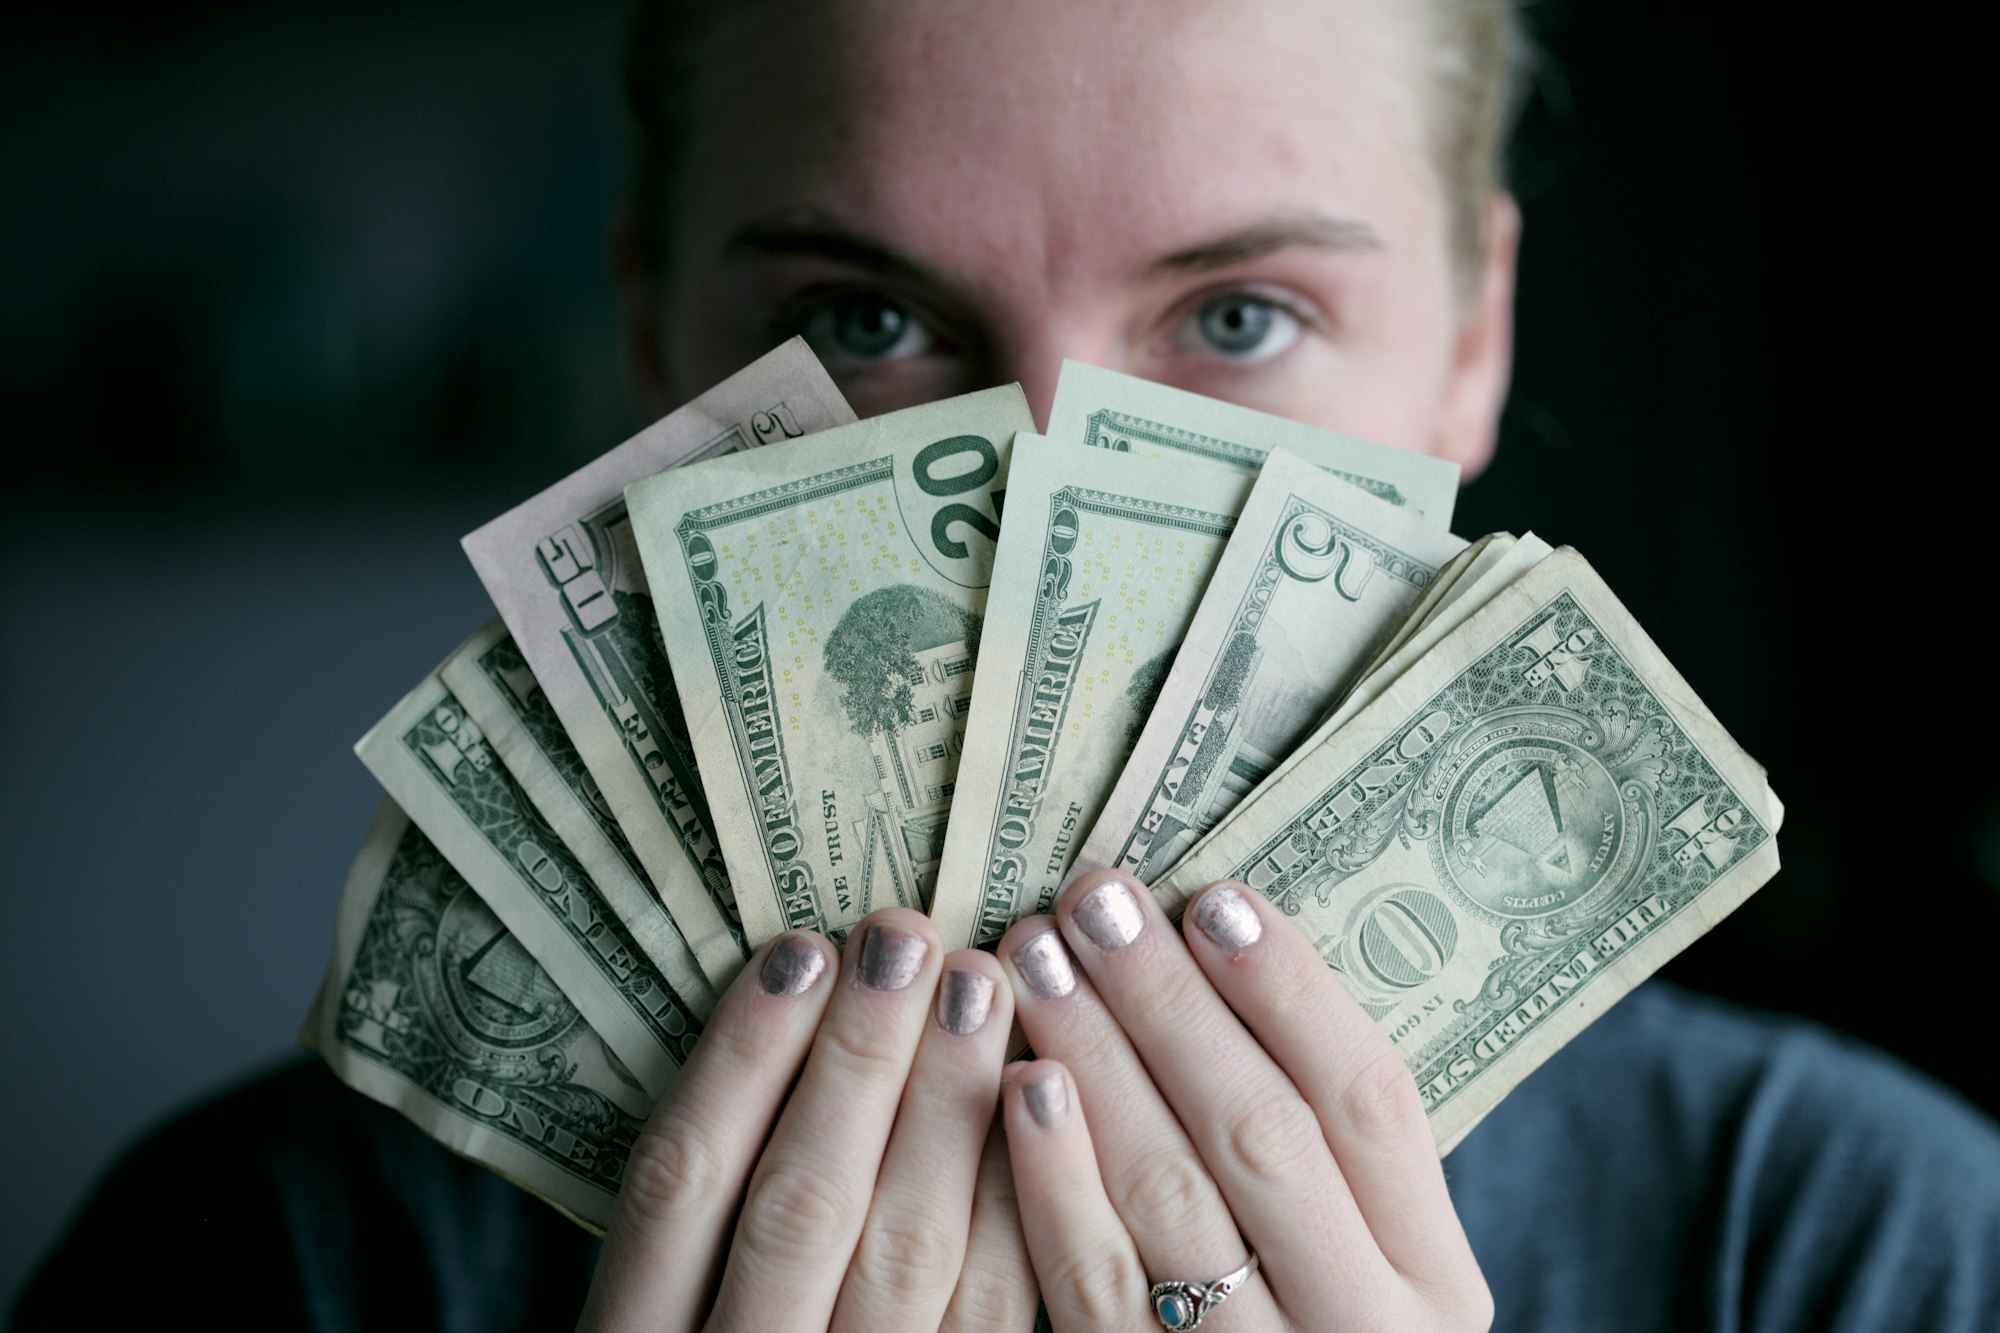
[(730, 692)]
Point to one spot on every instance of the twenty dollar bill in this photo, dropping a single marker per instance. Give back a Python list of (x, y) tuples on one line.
[(821, 603)]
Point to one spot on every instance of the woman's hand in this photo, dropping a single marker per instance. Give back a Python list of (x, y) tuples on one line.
[(1199, 1100), (848, 1199)]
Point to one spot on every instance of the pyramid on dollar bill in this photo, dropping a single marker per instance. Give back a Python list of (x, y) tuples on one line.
[(765, 667)]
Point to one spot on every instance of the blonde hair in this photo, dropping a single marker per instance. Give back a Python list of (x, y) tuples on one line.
[(1476, 71)]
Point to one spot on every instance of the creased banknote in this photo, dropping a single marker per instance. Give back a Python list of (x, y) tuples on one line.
[(1317, 574), (1099, 568), (432, 1008), (437, 765), (1106, 410), (562, 570), (1514, 832), (492, 682), (821, 603)]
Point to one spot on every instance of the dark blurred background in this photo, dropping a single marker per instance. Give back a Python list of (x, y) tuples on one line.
[(294, 294)]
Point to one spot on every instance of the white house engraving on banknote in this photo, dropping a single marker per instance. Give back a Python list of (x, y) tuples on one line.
[(1561, 814), (917, 721)]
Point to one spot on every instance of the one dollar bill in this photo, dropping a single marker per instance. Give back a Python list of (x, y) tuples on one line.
[(492, 682), (564, 573), (431, 1007), (821, 603), (1518, 829), (435, 761)]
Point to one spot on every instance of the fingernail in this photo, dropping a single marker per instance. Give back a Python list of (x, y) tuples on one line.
[(964, 999), (1224, 917), (1110, 916), (1044, 964), (792, 966), (891, 957), (1048, 1100)]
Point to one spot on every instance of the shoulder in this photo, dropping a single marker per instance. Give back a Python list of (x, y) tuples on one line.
[(297, 1203), (1742, 1169)]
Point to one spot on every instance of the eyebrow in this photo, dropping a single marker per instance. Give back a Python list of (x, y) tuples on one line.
[(1317, 231), (821, 237)]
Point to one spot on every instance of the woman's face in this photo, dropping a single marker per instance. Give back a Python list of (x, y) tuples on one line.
[(1230, 197)]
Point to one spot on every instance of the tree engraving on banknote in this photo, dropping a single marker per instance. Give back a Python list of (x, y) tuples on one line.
[(442, 997)]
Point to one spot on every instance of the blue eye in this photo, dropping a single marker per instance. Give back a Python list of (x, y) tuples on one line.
[(1242, 327), (864, 326)]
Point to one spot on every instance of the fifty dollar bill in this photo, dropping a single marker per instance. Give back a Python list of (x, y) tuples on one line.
[(563, 572)]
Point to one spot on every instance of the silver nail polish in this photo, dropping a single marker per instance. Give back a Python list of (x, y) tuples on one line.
[(891, 957), (1224, 917), (792, 966), (1048, 1100), (1044, 964), (964, 999), (1110, 916)]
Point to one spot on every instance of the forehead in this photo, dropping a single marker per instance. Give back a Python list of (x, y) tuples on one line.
[(1071, 125)]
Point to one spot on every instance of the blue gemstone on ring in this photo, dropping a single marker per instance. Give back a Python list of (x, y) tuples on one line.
[(1173, 1310)]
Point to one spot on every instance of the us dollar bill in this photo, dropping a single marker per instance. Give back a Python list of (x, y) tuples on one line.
[(492, 682), (1106, 410), (1099, 568), (1316, 575), (432, 1008), (436, 762), (821, 603), (563, 571), (1516, 831)]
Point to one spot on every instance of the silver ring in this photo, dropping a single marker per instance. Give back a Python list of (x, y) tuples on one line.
[(1181, 1305)]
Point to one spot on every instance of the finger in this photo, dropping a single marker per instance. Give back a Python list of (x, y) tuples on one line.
[(687, 1169), (913, 1244), (1255, 1133), (1087, 1264), (996, 1285), (1155, 1179), (808, 1195), (1351, 1075)]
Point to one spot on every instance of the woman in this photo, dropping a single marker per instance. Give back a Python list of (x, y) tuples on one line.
[(1290, 203)]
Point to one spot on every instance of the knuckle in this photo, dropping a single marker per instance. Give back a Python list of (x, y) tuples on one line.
[(872, 1052), (1271, 1140), (905, 1260), (1097, 1288), (669, 1169), (790, 1213), (1380, 1102), (992, 1296), (1164, 1192)]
